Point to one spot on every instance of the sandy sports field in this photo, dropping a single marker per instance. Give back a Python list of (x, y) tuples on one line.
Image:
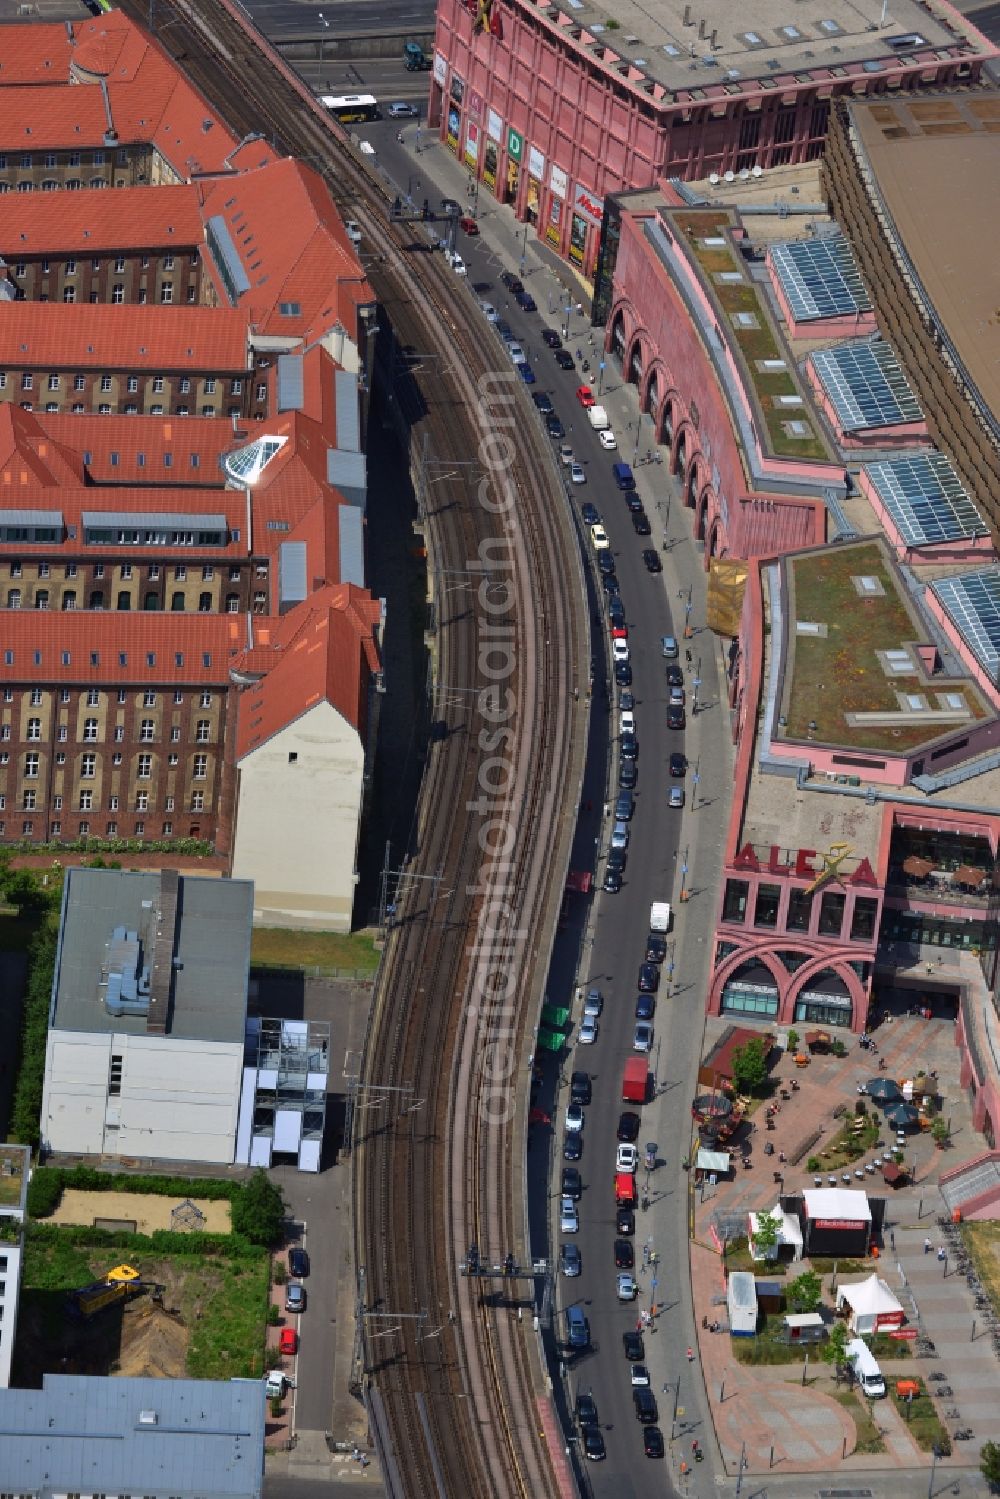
[(146, 1211)]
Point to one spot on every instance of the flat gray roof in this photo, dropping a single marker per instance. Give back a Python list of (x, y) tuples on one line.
[(765, 39), (208, 990), (183, 1437)]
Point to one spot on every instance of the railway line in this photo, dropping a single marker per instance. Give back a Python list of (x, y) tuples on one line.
[(452, 1373)]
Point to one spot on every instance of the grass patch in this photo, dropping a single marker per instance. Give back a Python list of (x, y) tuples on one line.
[(335, 954), (16, 931), (868, 1438), (766, 1348), (846, 1147), (227, 1340), (840, 674), (923, 1423), (738, 1257), (983, 1243)]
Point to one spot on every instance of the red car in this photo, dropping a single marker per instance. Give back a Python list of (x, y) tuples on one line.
[(585, 396), (619, 632), (288, 1342), (468, 224)]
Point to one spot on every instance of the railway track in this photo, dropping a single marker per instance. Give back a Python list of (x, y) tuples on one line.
[(452, 1374)]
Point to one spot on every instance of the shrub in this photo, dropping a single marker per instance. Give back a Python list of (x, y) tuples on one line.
[(27, 1107), (259, 1211), (814, 1164), (45, 1191), (161, 1241), (280, 1273), (273, 1315), (275, 1406)]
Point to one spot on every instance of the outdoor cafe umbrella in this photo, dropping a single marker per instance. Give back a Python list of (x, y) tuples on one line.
[(919, 867), (884, 1089), (966, 875), (901, 1114)]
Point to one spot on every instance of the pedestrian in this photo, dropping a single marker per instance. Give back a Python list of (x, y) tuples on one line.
[(927, 1246), (690, 1355), (942, 1252), (892, 1238)]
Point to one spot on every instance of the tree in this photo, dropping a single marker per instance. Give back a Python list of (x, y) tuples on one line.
[(805, 1293), (750, 1066), (765, 1235), (834, 1350), (258, 1211), (793, 1040), (989, 1464)]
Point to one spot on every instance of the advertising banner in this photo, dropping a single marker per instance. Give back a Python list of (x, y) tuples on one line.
[(536, 163), (494, 126), (558, 182), (440, 69), (553, 230), (451, 135), (476, 105), (515, 146), (577, 239), (490, 165), (586, 203), (471, 145)]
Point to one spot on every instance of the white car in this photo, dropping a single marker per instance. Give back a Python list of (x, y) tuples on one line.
[(569, 1221), (574, 1119), (489, 312), (619, 650), (457, 264), (517, 354), (627, 1158), (599, 541), (577, 474), (626, 722), (627, 1288), (607, 439), (594, 1003), (566, 455), (640, 1376), (643, 1038), (588, 1030)]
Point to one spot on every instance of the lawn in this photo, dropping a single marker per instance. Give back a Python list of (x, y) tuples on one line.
[(335, 954), (983, 1243), (922, 1421), (868, 1438), (829, 677)]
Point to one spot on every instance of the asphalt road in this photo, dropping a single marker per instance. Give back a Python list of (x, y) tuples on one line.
[(278, 19)]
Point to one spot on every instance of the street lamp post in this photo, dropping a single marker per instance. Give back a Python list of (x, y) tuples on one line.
[(524, 248), (743, 1467), (684, 869)]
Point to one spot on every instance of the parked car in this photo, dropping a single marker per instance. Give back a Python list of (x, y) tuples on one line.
[(580, 1088), (639, 1375), (566, 455), (594, 1002), (449, 205), (612, 882), (641, 527), (489, 312), (551, 339), (298, 1262), (572, 1147), (525, 301), (635, 1350), (605, 561), (675, 674), (517, 354), (599, 539), (288, 1341), (586, 1410), (607, 439), (619, 648), (642, 1039), (677, 764), (624, 1220), (402, 111), (513, 283), (526, 373), (588, 1030), (585, 396), (626, 720), (645, 1405), (554, 426), (623, 673), (645, 1006), (624, 806), (619, 835), (590, 513), (577, 473), (656, 948), (570, 1259), (593, 1444), (624, 1254), (543, 401), (572, 1182), (649, 978), (569, 1220), (669, 647), (295, 1297), (628, 775), (564, 359), (652, 1441), (626, 1288), (627, 1158), (617, 858), (676, 717), (628, 1125), (468, 224), (505, 331), (628, 744), (675, 798), (457, 264), (574, 1118)]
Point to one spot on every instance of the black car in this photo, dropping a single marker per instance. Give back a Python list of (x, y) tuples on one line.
[(591, 514), (543, 401), (656, 948), (645, 1405), (505, 331), (572, 1182), (586, 1410), (623, 673), (580, 1088), (649, 978), (635, 1349), (640, 523), (564, 359), (525, 301), (448, 205), (554, 426), (616, 615), (624, 1255), (675, 675), (298, 1262), (593, 1444), (628, 746), (652, 561), (612, 882), (573, 1146), (678, 764), (676, 717), (624, 806), (645, 1007), (628, 1126), (511, 282), (652, 1441), (616, 860), (551, 338), (628, 775), (605, 561), (611, 583), (632, 501), (624, 1221)]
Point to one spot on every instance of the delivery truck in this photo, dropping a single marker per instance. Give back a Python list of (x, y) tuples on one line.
[(598, 418), (635, 1081), (659, 916), (866, 1369)]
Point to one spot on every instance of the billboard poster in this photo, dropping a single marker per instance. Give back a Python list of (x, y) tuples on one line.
[(471, 145), (494, 126), (536, 163), (490, 165), (440, 69), (558, 182), (476, 105), (531, 204), (457, 88), (452, 132), (553, 230), (577, 239), (588, 204)]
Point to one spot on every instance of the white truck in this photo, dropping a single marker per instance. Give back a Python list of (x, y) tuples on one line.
[(659, 916), (598, 418), (866, 1369)]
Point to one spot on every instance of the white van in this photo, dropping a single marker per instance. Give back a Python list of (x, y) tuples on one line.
[(866, 1369)]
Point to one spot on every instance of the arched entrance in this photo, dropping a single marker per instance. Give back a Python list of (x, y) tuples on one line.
[(824, 999), (715, 538), (652, 394), (751, 989), (617, 346), (681, 457), (666, 436), (635, 364), (691, 487)]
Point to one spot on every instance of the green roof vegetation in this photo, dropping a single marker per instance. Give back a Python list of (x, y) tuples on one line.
[(755, 344), (828, 676)]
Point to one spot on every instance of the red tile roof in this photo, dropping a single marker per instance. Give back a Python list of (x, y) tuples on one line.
[(294, 247), (54, 335), (94, 220), (323, 650), (157, 648), (72, 503), (30, 457), (151, 438)]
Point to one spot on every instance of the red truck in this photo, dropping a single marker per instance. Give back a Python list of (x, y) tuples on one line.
[(624, 1189), (635, 1082)]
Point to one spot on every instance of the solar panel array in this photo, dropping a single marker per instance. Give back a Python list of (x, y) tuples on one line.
[(866, 385), (820, 278), (925, 499), (972, 602)]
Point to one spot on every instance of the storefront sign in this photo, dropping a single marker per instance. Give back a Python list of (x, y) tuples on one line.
[(490, 164), (494, 126), (838, 1225), (536, 163), (457, 88), (452, 132), (476, 105), (471, 145), (907, 1333), (802, 867), (888, 1319), (587, 204), (440, 69), (515, 146), (558, 182), (553, 230)]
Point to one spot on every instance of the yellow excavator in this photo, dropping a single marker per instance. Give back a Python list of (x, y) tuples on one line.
[(119, 1284)]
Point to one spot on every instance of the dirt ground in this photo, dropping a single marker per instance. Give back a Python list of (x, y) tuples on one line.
[(147, 1211)]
